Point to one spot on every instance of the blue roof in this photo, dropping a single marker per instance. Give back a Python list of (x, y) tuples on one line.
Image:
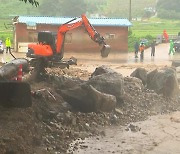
[(119, 22)]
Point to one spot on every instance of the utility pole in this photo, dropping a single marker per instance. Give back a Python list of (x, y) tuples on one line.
[(130, 17)]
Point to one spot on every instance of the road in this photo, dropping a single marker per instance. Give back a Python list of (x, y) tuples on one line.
[(123, 63), (157, 135), (114, 58)]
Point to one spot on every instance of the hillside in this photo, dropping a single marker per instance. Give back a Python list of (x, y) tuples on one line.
[(12, 8), (118, 7)]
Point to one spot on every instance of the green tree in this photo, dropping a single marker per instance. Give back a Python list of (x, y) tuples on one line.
[(47, 8), (33, 2), (94, 6), (73, 7), (63, 8), (168, 9), (169, 5), (120, 8)]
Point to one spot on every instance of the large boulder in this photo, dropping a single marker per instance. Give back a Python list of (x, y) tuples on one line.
[(141, 74), (109, 82), (178, 78), (66, 82), (132, 82), (101, 70), (178, 73), (103, 102), (176, 63), (178, 69), (8, 71), (150, 76), (86, 98), (163, 81)]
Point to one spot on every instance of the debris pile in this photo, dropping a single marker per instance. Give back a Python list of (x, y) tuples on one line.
[(52, 123)]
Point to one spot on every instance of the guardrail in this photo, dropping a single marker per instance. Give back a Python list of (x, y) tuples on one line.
[(161, 39)]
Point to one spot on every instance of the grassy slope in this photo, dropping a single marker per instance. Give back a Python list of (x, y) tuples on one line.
[(155, 26), (10, 9), (152, 27)]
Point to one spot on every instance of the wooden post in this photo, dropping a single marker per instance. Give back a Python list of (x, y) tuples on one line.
[(130, 17)]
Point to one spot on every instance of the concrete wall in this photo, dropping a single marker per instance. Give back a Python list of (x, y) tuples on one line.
[(78, 40)]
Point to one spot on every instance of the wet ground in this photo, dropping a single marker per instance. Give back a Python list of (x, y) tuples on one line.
[(157, 135), (125, 63), (161, 57)]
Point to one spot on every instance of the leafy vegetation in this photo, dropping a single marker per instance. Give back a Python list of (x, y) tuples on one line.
[(109, 8), (33, 2), (168, 9), (155, 26), (62, 8), (148, 29)]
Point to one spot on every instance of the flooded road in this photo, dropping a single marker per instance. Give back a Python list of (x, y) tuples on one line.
[(161, 57), (123, 63), (157, 135)]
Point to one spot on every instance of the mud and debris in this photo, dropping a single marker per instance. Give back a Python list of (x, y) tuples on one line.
[(51, 124)]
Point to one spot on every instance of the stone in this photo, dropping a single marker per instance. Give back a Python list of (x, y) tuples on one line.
[(86, 98), (133, 82), (176, 63), (109, 83), (103, 102), (141, 74), (101, 70), (66, 82), (163, 81)]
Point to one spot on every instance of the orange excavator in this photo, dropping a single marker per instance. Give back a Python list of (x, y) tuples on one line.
[(45, 53), (50, 50)]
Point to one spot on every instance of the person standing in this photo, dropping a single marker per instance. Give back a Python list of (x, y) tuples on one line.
[(171, 48), (166, 36), (8, 45), (136, 48), (141, 49), (153, 49)]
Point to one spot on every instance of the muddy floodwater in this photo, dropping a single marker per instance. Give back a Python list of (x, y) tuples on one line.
[(157, 135)]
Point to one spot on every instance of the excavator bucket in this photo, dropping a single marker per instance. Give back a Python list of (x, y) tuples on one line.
[(15, 94), (105, 51)]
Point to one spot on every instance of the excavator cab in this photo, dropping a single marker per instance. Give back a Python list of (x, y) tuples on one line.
[(46, 46), (47, 37)]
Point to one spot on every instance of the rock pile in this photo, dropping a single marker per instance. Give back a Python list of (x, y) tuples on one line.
[(53, 122)]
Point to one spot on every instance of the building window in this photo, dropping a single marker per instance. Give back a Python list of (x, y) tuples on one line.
[(68, 38), (32, 37), (31, 27), (110, 36)]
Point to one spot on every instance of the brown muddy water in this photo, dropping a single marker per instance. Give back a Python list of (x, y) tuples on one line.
[(157, 135)]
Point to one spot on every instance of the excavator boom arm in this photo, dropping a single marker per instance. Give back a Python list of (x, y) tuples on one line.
[(94, 35), (62, 31)]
